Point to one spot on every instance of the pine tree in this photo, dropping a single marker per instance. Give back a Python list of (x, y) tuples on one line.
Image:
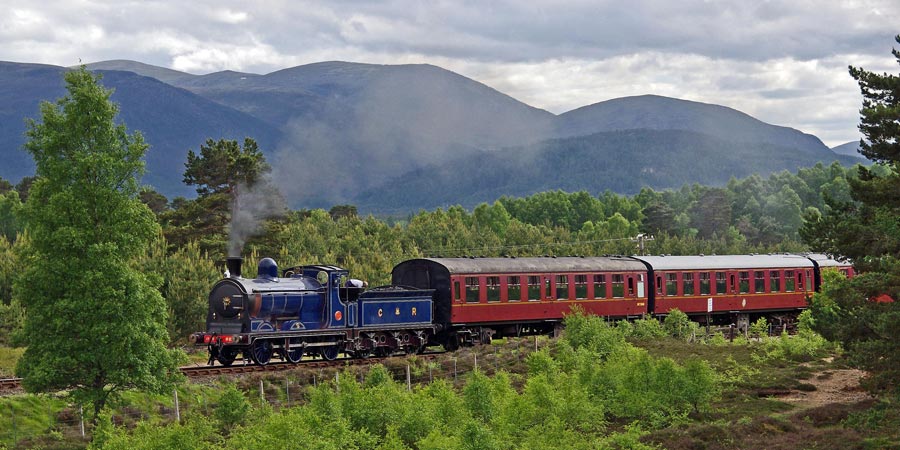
[(867, 230), (95, 324)]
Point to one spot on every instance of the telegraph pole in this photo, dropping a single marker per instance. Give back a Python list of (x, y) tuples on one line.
[(641, 239)]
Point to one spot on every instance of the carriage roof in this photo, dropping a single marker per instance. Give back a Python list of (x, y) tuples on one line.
[(536, 264), (726, 262)]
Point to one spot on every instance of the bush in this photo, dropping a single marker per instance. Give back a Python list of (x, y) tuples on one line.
[(760, 328), (592, 333), (677, 324), (648, 328), (232, 408)]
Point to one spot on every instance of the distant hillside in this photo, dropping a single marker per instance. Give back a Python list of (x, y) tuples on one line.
[(163, 74), (653, 112), (850, 148), (339, 132), (621, 161), (172, 120)]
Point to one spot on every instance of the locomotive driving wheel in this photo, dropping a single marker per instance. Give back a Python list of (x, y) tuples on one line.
[(329, 353), (295, 354), (261, 351)]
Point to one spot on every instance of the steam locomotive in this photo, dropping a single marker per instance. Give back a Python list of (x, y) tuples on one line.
[(318, 311)]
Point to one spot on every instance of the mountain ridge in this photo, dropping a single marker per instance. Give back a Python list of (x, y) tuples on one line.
[(338, 132)]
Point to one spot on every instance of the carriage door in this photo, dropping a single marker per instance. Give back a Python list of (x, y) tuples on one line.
[(732, 283)]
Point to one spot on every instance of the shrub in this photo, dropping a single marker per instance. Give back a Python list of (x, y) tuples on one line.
[(677, 324), (232, 408), (760, 328), (647, 328)]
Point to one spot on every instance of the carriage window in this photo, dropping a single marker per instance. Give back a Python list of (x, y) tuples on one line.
[(704, 283), (618, 286), (493, 289), (759, 281), (471, 289), (688, 279), (580, 286), (562, 287), (774, 281), (659, 285), (808, 280), (789, 281), (534, 288), (630, 287), (671, 284), (745, 282), (721, 283), (845, 272), (513, 289), (599, 286), (456, 293)]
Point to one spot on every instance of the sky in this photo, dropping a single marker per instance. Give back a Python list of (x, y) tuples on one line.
[(783, 62)]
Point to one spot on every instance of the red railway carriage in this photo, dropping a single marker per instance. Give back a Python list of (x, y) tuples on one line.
[(730, 283), (825, 262), (481, 297)]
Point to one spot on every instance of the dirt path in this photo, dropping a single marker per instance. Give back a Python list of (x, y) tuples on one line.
[(832, 386)]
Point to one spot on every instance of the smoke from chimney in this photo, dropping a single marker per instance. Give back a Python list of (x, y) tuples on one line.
[(252, 205)]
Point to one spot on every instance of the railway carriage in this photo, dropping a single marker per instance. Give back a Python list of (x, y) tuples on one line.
[(479, 298), (730, 287)]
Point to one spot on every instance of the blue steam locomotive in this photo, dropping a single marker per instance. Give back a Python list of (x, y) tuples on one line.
[(313, 310)]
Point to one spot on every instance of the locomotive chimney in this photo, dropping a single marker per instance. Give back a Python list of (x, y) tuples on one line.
[(233, 264)]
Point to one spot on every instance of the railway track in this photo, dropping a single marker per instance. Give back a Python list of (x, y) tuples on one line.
[(8, 384)]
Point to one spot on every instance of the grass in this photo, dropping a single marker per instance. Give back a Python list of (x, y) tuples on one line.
[(8, 359)]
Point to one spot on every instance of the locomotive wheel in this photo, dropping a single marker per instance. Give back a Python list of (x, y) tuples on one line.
[(293, 355), (261, 352), (227, 356), (329, 353)]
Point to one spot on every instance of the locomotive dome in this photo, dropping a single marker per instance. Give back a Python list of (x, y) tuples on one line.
[(267, 269)]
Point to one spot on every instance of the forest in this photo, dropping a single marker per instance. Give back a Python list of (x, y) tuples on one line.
[(750, 215)]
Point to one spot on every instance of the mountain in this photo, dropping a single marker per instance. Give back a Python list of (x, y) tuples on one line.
[(622, 161), (388, 137), (654, 112), (850, 148), (172, 120), (163, 74)]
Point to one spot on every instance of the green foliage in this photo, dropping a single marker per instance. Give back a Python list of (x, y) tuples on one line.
[(102, 330), (219, 172), (647, 328), (196, 434), (677, 324), (187, 275), (233, 409), (10, 224), (591, 332), (12, 321), (866, 229), (843, 312), (378, 375), (800, 347), (760, 328)]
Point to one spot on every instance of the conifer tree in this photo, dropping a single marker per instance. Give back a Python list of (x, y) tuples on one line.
[(867, 230), (95, 323)]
